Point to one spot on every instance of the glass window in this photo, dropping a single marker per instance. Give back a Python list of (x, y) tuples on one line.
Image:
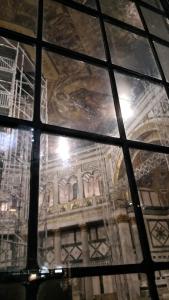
[(152, 175), (20, 16), (163, 54), (17, 71), (72, 29), (157, 24), (145, 109), (101, 213), (79, 95), (162, 283), (123, 10), (89, 3), (15, 152), (155, 3), (82, 204), (108, 286), (12, 291), (127, 51)]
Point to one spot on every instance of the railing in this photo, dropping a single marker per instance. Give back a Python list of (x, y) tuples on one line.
[(4, 100), (6, 63), (79, 204), (7, 221), (76, 204)]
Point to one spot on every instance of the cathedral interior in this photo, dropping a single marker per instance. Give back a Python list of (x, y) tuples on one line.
[(86, 216)]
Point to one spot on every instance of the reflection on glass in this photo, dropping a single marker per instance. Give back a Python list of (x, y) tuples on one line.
[(163, 54), (85, 212), (127, 50), (78, 95), (15, 151), (162, 277), (157, 24), (115, 287), (72, 29), (155, 3), (124, 10), (89, 3), (145, 109), (152, 175), (17, 73), (12, 291), (19, 16)]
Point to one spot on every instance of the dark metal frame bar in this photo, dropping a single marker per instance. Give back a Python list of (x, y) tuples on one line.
[(147, 266)]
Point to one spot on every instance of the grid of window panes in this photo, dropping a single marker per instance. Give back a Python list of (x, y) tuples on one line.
[(84, 165)]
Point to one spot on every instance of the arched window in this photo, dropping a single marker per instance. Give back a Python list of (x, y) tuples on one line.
[(73, 188), (98, 183), (63, 191), (88, 185)]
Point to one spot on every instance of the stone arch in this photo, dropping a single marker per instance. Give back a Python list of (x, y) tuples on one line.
[(146, 132)]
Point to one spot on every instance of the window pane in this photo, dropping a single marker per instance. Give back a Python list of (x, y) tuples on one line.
[(12, 291), (17, 73), (72, 29), (116, 287), (127, 51), (152, 175), (145, 109), (89, 3), (15, 151), (163, 53), (162, 284), (157, 24), (123, 10), (19, 16), (78, 95), (85, 212), (155, 3)]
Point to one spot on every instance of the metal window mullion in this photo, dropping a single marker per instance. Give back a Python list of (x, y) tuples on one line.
[(165, 5), (98, 138), (111, 76), (86, 58), (153, 8), (140, 224), (94, 12), (151, 275), (130, 173), (158, 63), (35, 155), (118, 113)]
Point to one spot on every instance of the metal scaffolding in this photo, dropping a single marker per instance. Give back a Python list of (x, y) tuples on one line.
[(16, 100)]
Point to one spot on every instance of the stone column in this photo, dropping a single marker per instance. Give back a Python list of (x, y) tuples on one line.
[(57, 247), (127, 251), (110, 173), (143, 278), (135, 237), (80, 184), (85, 254), (56, 192)]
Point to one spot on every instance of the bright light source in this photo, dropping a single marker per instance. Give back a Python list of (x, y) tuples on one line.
[(126, 109), (12, 209), (44, 269), (58, 270), (32, 277), (63, 149)]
